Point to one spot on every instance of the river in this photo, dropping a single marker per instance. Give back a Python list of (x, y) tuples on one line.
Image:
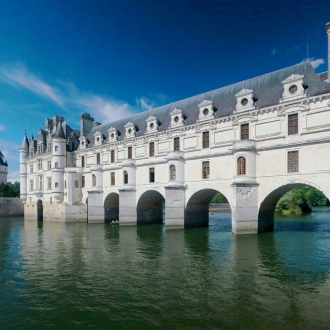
[(105, 276)]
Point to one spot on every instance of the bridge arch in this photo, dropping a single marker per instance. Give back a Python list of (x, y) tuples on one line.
[(111, 207), (150, 207), (40, 210), (197, 208), (266, 210)]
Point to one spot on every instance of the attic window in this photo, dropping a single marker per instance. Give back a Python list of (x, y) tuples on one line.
[(293, 89), (98, 139), (112, 135), (130, 131), (82, 143), (151, 125), (176, 119), (244, 102), (205, 112)]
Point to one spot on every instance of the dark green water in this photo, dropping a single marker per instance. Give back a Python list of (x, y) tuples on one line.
[(79, 276)]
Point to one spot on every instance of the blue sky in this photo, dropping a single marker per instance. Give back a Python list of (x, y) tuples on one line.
[(115, 58)]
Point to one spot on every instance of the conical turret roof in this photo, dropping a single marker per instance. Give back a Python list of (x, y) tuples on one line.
[(59, 134), (25, 142)]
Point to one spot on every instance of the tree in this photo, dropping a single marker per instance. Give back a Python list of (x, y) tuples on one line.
[(10, 189), (219, 198)]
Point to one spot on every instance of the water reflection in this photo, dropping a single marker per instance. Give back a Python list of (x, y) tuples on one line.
[(101, 276)]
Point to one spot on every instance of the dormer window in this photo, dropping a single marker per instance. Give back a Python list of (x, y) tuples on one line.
[(130, 130), (206, 110), (177, 118), (98, 138), (152, 124), (113, 134), (83, 142), (245, 100), (293, 88)]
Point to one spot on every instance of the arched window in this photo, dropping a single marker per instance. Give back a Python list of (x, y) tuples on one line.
[(93, 180), (241, 166), (125, 177), (172, 173)]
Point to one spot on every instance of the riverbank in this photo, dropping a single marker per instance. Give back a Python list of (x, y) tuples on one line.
[(11, 206), (216, 207)]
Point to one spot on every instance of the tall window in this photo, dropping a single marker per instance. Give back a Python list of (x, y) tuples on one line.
[(39, 164), (206, 140), (65, 184), (49, 147), (98, 158), (244, 131), (83, 181), (125, 177), (56, 148), (83, 161), (56, 184), (113, 179), (206, 170), (49, 165), (31, 168), (176, 146), (40, 182), (93, 180), (31, 185), (56, 164), (293, 124), (39, 149), (76, 185), (152, 174), (112, 156), (241, 166), (129, 152), (293, 161), (151, 149), (49, 183), (172, 173)]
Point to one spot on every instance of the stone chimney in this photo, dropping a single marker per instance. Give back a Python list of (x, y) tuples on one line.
[(327, 30)]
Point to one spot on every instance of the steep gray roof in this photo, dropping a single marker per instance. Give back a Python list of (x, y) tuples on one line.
[(25, 142), (267, 88), (2, 162), (59, 134)]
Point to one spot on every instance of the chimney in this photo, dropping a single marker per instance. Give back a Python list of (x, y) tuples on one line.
[(327, 30)]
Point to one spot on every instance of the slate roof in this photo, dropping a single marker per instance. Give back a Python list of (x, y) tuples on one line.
[(2, 162), (267, 88)]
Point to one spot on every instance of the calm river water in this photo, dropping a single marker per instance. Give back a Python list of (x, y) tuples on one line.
[(79, 276)]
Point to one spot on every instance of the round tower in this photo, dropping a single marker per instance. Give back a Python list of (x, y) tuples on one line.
[(23, 154), (58, 163), (3, 169)]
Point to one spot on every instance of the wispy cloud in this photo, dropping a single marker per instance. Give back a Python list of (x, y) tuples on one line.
[(2, 128), (274, 51), (67, 96), (19, 75)]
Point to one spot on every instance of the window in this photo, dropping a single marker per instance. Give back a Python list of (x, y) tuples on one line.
[(206, 170), (64, 184), (113, 178), (98, 159), (176, 146), (40, 182), (31, 168), (172, 173), (39, 149), (56, 148), (83, 161), (82, 181), (151, 149), (56, 164), (244, 131), (206, 140), (241, 166), (293, 158), (49, 183), (93, 180), (129, 152), (49, 147), (31, 152), (56, 184), (76, 184), (125, 177), (293, 124), (49, 165), (112, 156), (31, 185), (152, 174), (51, 200), (39, 164)]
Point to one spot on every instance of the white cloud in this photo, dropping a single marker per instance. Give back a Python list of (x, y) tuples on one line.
[(316, 63), (19, 75), (144, 103), (2, 128), (13, 177), (274, 50)]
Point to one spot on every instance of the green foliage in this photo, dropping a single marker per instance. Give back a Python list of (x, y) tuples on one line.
[(301, 200), (219, 198), (10, 189)]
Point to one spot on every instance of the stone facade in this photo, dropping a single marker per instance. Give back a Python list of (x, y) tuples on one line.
[(252, 141)]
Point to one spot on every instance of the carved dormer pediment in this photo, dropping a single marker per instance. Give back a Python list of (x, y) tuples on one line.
[(245, 100), (82, 142), (293, 88), (152, 125), (177, 118), (130, 130), (112, 134), (98, 138), (206, 110)]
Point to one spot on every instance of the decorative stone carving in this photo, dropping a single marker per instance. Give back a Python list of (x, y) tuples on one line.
[(113, 134), (245, 100), (177, 118), (130, 130), (293, 88), (152, 125), (98, 138), (206, 110)]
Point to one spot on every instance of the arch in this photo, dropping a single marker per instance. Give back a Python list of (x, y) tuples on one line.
[(267, 206), (111, 207), (40, 210), (150, 208), (197, 209), (172, 173), (241, 165)]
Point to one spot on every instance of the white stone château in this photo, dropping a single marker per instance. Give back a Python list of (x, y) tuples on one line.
[(3, 169), (252, 141)]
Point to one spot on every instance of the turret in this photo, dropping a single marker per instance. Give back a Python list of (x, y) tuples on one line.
[(23, 154), (3, 169), (327, 30), (58, 162)]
